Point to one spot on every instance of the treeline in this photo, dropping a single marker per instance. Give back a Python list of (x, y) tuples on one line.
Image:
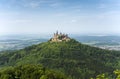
[(30, 72)]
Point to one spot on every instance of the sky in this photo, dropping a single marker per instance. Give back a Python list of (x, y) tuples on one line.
[(97, 17)]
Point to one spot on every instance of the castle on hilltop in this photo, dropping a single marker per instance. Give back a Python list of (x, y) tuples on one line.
[(59, 37)]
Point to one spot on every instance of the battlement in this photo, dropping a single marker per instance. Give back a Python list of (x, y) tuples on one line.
[(59, 37)]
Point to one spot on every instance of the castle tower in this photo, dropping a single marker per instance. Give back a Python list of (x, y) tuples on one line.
[(59, 37)]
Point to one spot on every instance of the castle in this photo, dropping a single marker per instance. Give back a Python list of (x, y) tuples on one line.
[(59, 37)]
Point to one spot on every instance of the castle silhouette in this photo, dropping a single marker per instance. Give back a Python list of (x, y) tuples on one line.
[(59, 37)]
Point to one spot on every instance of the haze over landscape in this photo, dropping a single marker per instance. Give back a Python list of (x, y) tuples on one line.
[(86, 17), (59, 39)]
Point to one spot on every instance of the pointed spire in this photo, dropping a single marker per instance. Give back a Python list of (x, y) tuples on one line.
[(57, 32)]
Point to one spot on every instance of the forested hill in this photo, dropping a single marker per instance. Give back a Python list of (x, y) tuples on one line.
[(76, 60)]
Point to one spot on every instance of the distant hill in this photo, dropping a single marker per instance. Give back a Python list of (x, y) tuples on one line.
[(76, 60)]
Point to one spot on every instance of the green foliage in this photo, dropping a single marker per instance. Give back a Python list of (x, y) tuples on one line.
[(104, 76), (101, 76), (117, 73), (76, 60), (30, 72)]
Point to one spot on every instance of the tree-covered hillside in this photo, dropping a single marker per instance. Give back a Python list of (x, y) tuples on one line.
[(30, 72), (76, 60)]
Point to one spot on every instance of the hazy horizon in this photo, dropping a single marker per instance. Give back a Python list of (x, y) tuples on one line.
[(84, 17)]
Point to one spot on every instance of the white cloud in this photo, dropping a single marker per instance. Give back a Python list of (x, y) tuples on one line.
[(24, 3), (73, 21), (32, 4), (55, 5), (38, 3), (42, 3), (102, 6), (60, 14)]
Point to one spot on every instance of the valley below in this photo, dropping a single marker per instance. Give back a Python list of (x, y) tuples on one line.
[(17, 42)]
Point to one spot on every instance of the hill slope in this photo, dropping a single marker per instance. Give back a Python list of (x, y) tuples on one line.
[(76, 60), (30, 72)]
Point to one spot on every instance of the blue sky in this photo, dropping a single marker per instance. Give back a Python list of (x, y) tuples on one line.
[(87, 17)]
